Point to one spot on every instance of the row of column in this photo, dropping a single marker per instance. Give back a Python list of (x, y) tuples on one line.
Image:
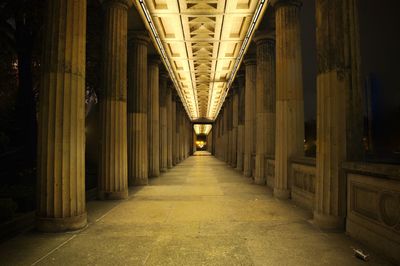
[(270, 105), (144, 129)]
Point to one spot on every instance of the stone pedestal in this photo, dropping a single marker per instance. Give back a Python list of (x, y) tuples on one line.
[(249, 120), (241, 107), (113, 165), (169, 125), (163, 122), (61, 136), (154, 117), (289, 93), (265, 104), (338, 97), (137, 110)]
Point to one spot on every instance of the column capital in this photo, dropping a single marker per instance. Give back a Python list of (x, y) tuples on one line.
[(154, 60), (125, 3), (249, 60), (135, 36), (280, 3), (239, 73), (164, 73), (263, 37)]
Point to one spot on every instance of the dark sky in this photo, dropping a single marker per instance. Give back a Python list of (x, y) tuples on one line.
[(380, 53), (309, 58)]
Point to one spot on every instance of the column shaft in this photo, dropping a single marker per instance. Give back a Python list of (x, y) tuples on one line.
[(241, 107), (163, 122), (265, 105), (289, 93), (61, 138), (338, 89), (249, 123), (235, 106), (169, 127), (137, 111), (113, 165), (154, 118)]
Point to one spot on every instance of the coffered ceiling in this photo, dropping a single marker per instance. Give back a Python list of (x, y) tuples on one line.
[(202, 129), (202, 43)]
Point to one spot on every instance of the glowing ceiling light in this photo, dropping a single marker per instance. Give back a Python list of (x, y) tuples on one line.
[(244, 47), (160, 47), (203, 129)]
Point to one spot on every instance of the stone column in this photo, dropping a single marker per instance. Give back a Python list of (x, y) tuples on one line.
[(210, 141), (181, 133), (289, 93), (229, 127), (178, 130), (338, 92), (265, 104), (174, 130), (61, 138), (235, 106), (249, 123), (241, 107), (169, 125), (137, 110), (154, 117), (163, 121), (113, 165)]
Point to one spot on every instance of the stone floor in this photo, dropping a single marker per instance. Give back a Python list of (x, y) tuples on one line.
[(199, 213)]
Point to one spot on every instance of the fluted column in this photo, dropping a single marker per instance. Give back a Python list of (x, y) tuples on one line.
[(265, 104), (113, 165), (181, 133), (210, 141), (154, 117), (338, 93), (137, 110), (235, 106), (174, 130), (178, 131), (249, 123), (169, 125), (241, 107), (289, 93), (61, 138), (229, 127), (163, 122)]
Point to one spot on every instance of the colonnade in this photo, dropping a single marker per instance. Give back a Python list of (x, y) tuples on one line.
[(270, 107), (144, 128)]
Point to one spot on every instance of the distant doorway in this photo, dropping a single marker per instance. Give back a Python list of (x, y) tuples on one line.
[(202, 140)]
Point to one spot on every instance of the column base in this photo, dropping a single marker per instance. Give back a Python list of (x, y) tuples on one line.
[(56, 225), (163, 170), (259, 181), (114, 195), (247, 173), (140, 182), (329, 222), (283, 194)]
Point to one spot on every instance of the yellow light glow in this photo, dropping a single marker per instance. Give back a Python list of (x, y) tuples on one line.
[(202, 44), (202, 129)]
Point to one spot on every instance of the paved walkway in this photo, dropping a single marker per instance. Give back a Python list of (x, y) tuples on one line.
[(199, 213)]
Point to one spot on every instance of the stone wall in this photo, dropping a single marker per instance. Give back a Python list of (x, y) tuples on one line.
[(373, 206)]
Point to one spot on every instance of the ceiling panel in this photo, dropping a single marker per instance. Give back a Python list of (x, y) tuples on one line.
[(203, 42)]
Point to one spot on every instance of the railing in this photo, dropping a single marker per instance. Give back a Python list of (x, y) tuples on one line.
[(373, 206), (302, 178)]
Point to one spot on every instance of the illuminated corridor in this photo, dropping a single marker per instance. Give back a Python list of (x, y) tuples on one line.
[(199, 213)]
